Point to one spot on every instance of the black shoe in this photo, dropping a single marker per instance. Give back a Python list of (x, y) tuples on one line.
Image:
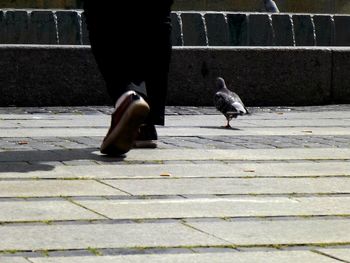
[(147, 137), (130, 112)]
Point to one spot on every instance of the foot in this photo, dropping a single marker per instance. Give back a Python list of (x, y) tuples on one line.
[(131, 110), (147, 137)]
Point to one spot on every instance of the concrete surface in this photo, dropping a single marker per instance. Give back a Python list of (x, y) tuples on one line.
[(200, 197)]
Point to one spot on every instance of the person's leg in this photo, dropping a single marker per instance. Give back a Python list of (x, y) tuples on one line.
[(133, 44), (112, 36), (132, 47), (156, 56), (156, 53)]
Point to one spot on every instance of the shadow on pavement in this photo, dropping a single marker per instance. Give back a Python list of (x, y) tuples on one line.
[(220, 128), (39, 160)]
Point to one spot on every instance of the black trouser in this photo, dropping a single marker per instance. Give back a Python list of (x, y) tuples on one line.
[(133, 44)]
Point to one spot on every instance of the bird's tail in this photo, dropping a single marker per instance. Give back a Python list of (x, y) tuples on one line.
[(248, 112)]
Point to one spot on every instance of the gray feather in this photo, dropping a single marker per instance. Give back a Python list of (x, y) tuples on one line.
[(228, 102)]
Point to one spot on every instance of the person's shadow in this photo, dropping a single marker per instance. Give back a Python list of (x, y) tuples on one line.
[(39, 160)]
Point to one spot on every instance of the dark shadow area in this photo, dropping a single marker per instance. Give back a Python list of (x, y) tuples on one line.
[(35, 160), (219, 128)]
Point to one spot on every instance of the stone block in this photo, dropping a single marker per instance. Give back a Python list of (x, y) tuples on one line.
[(304, 30), (262, 76), (225, 207), (202, 257), (128, 235), (22, 211), (234, 186), (69, 28), (341, 81), (287, 232), (238, 29), (283, 30), (247, 71), (2, 27), (324, 29), (189, 28), (50, 76), (194, 31), (176, 34), (42, 28), (54, 188), (17, 27), (342, 30), (260, 30), (4, 259), (85, 31), (217, 29)]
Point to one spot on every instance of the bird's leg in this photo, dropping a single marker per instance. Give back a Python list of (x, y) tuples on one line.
[(228, 126)]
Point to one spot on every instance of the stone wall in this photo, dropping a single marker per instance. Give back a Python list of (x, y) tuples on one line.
[(67, 27), (67, 75)]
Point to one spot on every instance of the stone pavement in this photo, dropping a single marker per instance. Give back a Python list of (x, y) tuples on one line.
[(276, 188)]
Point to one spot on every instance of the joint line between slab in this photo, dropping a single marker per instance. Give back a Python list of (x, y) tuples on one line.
[(329, 256), (183, 222), (28, 260), (106, 184)]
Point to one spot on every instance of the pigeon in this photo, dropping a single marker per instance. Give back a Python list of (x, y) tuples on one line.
[(228, 102), (270, 6)]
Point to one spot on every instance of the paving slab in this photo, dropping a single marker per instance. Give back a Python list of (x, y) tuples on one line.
[(242, 154), (53, 237), (48, 132), (46, 188), (205, 131), (87, 121), (4, 259), (243, 257), (288, 232), (102, 113), (179, 121), (253, 131), (339, 253), (283, 117), (20, 211), (207, 170), (184, 121), (199, 189), (253, 121), (219, 207), (197, 186)]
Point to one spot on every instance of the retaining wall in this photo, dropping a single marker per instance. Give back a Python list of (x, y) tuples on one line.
[(45, 58), (67, 75)]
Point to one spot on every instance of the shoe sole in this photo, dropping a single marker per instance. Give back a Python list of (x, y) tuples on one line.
[(123, 136), (150, 144)]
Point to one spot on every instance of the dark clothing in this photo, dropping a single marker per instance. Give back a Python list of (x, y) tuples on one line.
[(133, 44)]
